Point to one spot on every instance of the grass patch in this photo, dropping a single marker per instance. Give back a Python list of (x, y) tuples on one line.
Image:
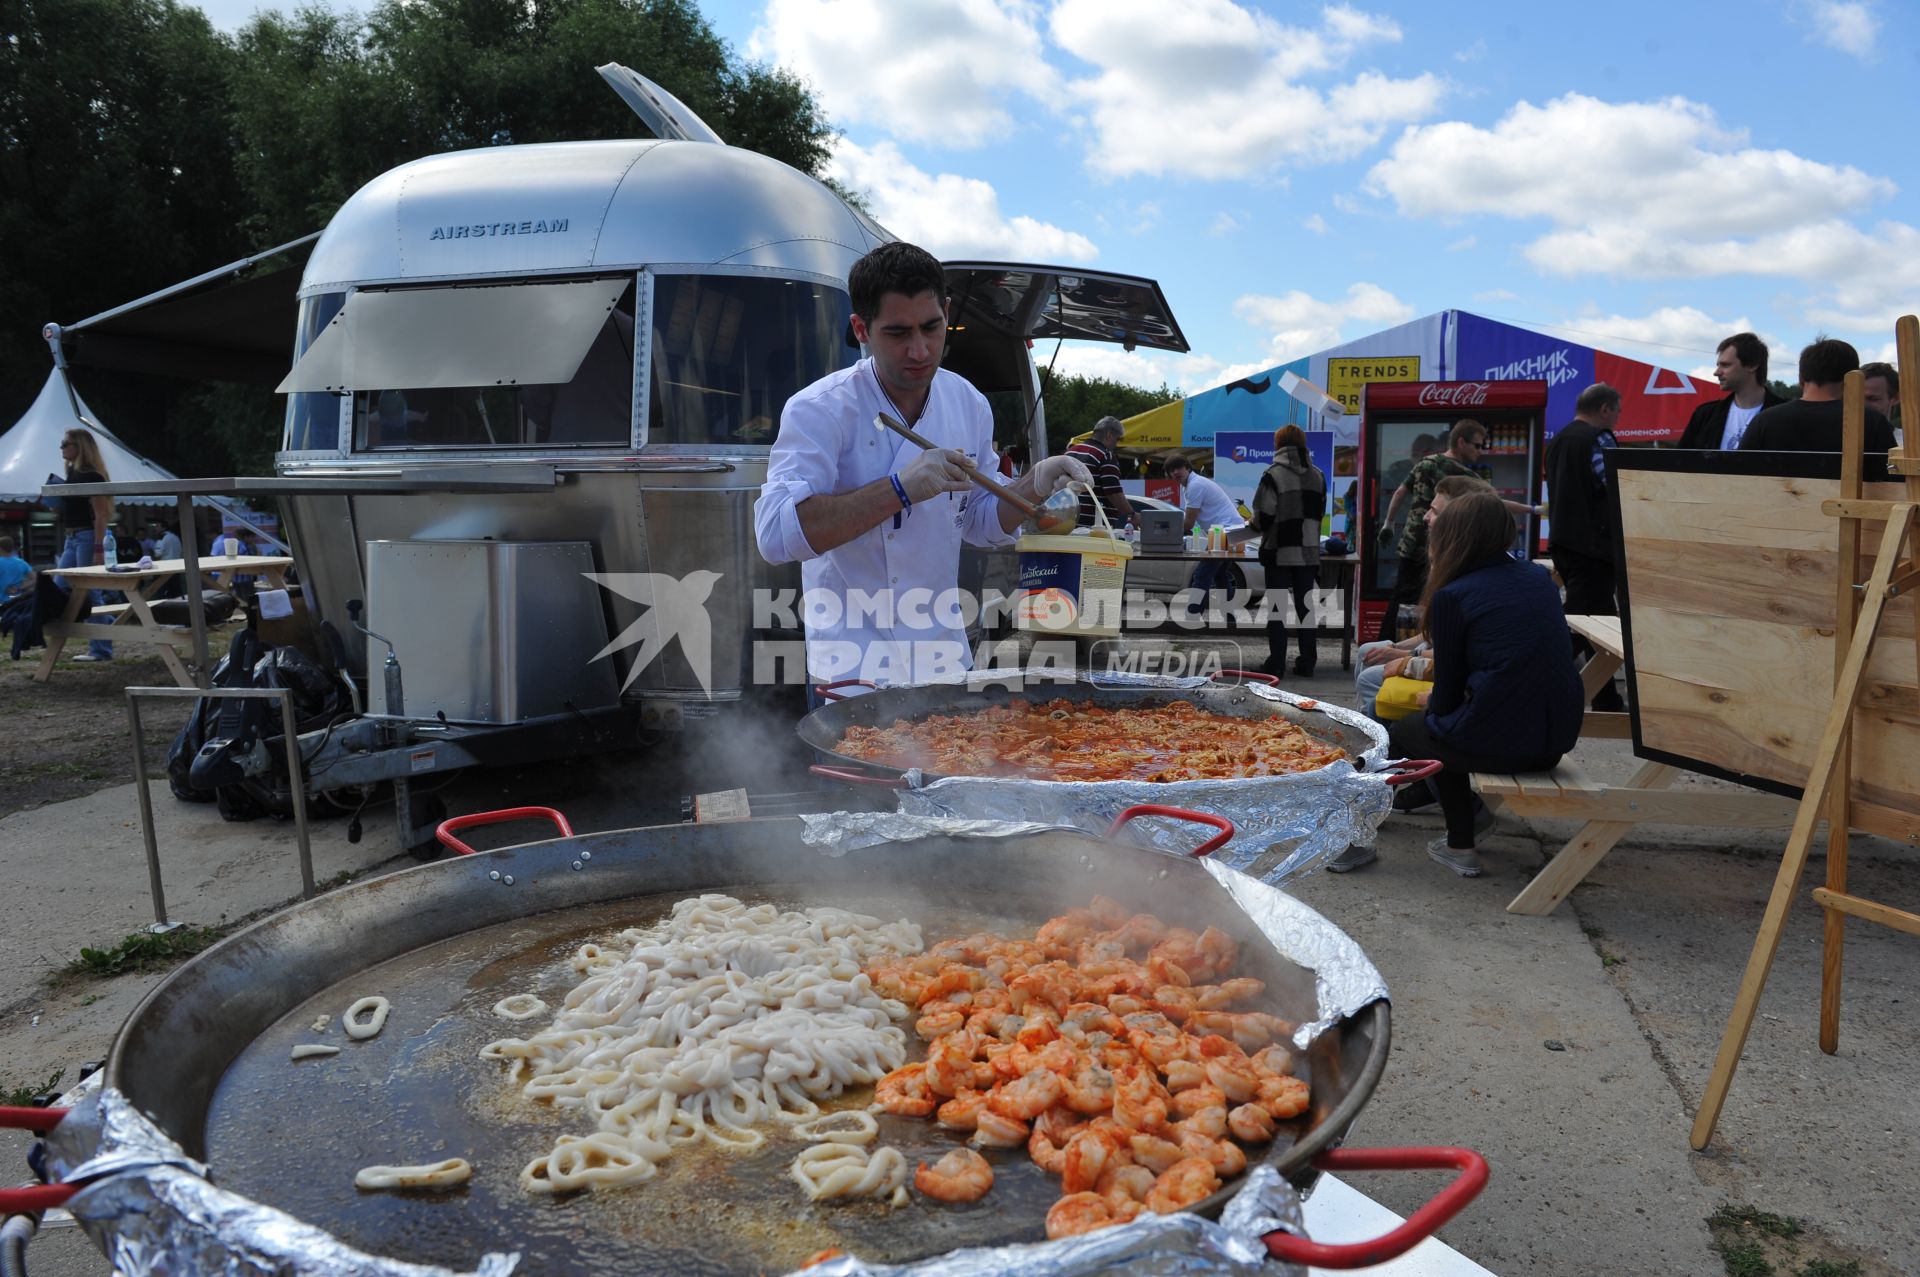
[(141, 951), (1831, 1268), (1610, 959), (1744, 1259), (22, 1096), (1760, 1221)]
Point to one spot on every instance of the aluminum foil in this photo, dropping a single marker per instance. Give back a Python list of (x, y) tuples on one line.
[(1158, 1245), (1345, 979), (153, 1213), (1284, 826)]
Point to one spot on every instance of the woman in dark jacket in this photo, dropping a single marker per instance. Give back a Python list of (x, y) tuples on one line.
[(1506, 697), (1287, 509)]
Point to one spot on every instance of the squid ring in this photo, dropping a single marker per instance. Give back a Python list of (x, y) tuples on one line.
[(521, 1006), (309, 1050), (375, 1010), (447, 1174)]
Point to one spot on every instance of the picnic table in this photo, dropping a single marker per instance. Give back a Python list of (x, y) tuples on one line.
[(1612, 811), (133, 621)]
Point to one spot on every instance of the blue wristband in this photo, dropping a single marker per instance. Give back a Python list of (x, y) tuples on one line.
[(900, 492)]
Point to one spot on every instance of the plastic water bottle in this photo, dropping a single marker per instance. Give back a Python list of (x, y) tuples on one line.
[(108, 556)]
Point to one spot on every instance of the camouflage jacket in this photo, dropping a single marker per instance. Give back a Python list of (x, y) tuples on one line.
[(1420, 483)]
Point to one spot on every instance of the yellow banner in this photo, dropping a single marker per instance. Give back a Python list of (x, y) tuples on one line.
[(1156, 427), (1346, 377)]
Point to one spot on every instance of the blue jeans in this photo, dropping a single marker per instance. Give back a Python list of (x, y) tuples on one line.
[(1204, 576), (78, 553)]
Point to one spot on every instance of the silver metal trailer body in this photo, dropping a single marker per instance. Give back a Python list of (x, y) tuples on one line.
[(634, 313)]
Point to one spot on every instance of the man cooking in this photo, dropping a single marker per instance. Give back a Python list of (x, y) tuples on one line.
[(875, 522)]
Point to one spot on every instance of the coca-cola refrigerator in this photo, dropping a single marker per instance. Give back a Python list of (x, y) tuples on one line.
[(1403, 421)]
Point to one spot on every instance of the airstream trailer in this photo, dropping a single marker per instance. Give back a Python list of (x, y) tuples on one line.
[(622, 320)]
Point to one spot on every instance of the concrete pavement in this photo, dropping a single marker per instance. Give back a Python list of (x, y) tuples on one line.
[(1571, 1049)]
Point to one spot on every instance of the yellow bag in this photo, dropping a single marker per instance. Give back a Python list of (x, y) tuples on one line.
[(1399, 697)]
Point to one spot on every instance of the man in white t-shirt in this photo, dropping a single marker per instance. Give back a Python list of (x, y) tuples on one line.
[(1208, 506), (1740, 366), (876, 523)]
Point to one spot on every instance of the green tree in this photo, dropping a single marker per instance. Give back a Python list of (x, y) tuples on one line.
[(116, 179), (1073, 403)]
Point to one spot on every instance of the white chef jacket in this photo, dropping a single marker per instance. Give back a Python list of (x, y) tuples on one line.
[(883, 606), (1216, 507)]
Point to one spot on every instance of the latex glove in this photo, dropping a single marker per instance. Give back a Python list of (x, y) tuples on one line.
[(1048, 475), (934, 471)]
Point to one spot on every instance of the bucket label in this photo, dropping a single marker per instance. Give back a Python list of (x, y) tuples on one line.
[(1071, 591)]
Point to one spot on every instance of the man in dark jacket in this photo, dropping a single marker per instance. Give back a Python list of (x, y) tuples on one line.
[(1741, 370), (1580, 526), (1811, 423)]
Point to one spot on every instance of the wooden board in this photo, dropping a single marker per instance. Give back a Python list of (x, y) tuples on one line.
[(1729, 601)]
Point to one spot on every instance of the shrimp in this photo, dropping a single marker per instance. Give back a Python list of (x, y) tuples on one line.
[(1082, 1018), (1185, 1074), (1128, 1182), (1107, 911), (1251, 1030), (1142, 931), (1209, 1119), (1139, 1103), (952, 980), (1226, 1157), (1064, 934), (1235, 1077), (996, 1022), (961, 1176), (1251, 1124), (1187, 1181), (1079, 1213), (1218, 997), (1089, 1089), (1273, 1061), (904, 1092), (1088, 1154), (1058, 1124), (1154, 1153), (934, 1024), (962, 1112), (1175, 1003), (1195, 1098), (1028, 1097), (1282, 1097), (949, 1068), (992, 1130), (1046, 1154)]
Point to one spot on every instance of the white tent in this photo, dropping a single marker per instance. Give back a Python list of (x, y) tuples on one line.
[(30, 451)]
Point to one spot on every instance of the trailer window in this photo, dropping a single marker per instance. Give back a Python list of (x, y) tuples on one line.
[(594, 408), (728, 350), (313, 417)]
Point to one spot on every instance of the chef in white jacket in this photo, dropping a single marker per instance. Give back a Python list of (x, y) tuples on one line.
[(875, 522)]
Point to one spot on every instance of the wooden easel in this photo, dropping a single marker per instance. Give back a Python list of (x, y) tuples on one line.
[(1861, 606)]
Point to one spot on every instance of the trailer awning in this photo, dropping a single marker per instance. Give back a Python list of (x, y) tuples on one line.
[(524, 333)]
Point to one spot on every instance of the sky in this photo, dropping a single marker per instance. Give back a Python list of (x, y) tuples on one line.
[(1646, 177)]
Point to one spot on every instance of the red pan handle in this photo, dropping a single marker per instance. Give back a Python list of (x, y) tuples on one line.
[(1214, 843), (31, 1201), (1255, 676), (849, 776), (825, 690), (30, 1119), (1408, 770), (447, 827), (1417, 1227)]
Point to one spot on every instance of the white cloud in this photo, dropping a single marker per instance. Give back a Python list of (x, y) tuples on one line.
[(1211, 89), (1149, 369), (1851, 26), (1661, 191), (948, 214), (1668, 333), (935, 71), (1473, 52), (1226, 223), (1298, 324), (1464, 243), (1496, 295), (1317, 224)]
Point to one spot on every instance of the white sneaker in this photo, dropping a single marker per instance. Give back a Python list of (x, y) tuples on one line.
[(1465, 863), (89, 656), (1356, 856)]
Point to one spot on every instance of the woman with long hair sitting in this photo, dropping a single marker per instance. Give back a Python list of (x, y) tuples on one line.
[(1506, 696)]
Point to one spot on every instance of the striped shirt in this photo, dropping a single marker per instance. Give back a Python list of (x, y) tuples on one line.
[(1106, 480)]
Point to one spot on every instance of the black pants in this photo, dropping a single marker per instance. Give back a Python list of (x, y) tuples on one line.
[(1299, 581), (1410, 738), (1590, 586)]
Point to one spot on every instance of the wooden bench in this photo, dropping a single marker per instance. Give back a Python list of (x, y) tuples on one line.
[(1611, 811)]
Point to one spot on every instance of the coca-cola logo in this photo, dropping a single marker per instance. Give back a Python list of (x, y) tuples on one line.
[(1460, 394)]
